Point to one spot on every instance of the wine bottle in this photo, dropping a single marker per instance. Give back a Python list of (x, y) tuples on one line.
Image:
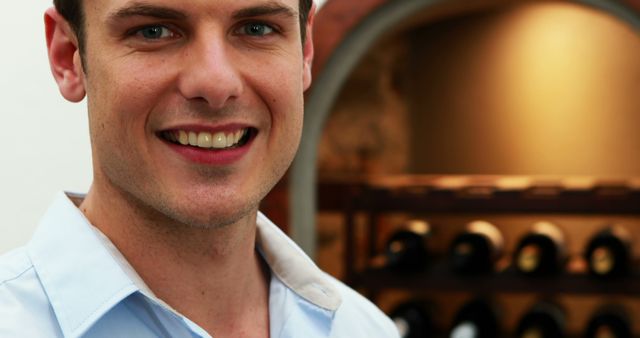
[(413, 319), (476, 319), (608, 253), (609, 321), (406, 249), (476, 249), (541, 251), (543, 320)]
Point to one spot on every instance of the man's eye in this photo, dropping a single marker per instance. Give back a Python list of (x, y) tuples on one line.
[(155, 32), (256, 29)]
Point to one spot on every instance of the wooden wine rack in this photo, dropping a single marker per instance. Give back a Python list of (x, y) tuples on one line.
[(481, 197)]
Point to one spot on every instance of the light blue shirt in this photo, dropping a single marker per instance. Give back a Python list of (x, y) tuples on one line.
[(70, 281)]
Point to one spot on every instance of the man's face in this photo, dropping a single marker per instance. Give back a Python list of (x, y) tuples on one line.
[(225, 75)]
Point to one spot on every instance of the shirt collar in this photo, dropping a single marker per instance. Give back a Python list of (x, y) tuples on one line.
[(285, 259), (85, 275), (79, 275), (295, 269)]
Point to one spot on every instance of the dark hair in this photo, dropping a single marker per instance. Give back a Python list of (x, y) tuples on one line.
[(72, 11)]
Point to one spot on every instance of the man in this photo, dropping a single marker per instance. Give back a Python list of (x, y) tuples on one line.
[(195, 111)]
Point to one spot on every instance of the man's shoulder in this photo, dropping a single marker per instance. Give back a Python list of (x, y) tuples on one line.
[(359, 317), (24, 307)]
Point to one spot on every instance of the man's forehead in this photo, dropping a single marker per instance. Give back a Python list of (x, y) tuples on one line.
[(210, 7)]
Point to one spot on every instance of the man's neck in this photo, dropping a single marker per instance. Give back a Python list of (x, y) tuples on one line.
[(213, 276)]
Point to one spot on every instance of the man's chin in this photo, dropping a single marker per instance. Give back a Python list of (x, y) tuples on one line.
[(210, 216)]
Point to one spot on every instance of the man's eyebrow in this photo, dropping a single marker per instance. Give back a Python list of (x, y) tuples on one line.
[(142, 9), (269, 9)]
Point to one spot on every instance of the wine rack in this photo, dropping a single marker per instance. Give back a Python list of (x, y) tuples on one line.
[(581, 206)]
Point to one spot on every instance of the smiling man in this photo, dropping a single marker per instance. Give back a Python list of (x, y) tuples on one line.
[(195, 110)]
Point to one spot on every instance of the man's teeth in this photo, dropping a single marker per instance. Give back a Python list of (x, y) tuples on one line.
[(219, 140)]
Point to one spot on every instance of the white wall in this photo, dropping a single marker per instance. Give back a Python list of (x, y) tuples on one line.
[(44, 143)]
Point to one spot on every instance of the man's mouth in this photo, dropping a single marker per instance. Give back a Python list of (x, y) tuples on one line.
[(209, 140)]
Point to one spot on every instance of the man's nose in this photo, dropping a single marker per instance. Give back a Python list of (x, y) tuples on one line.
[(209, 73)]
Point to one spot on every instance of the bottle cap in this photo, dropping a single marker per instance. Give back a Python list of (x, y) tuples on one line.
[(463, 249), (602, 261), (529, 258)]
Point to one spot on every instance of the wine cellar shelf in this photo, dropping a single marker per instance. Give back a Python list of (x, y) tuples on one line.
[(477, 196), (439, 277), (364, 204)]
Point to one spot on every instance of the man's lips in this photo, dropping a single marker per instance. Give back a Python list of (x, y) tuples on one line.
[(213, 147), (217, 140)]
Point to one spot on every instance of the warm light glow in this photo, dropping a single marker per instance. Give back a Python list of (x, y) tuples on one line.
[(566, 88), (537, 88)]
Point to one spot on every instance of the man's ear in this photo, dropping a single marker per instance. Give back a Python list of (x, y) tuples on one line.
[(64, 56), (307, 49)]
